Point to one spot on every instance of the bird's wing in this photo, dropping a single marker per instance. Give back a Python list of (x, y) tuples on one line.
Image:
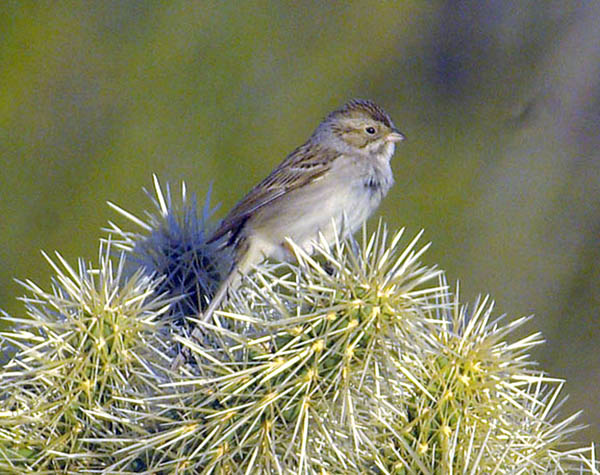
[(304, 165)]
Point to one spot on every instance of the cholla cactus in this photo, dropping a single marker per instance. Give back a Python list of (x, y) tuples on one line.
[(478, 403), (357, 359), (172, 243), (81, 354)]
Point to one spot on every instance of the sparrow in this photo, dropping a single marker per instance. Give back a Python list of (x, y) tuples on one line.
[(326, 187)]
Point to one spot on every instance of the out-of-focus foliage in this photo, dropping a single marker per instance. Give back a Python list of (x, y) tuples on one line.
[(499, 101)]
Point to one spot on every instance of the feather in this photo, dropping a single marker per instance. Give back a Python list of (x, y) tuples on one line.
[(304, 165)]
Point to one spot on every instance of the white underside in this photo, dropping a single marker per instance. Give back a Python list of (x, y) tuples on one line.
[(337, 203)]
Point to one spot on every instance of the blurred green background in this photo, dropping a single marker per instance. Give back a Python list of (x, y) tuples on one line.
[(500, 101)]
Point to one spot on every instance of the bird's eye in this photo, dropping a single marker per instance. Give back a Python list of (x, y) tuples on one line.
[(370, 130)]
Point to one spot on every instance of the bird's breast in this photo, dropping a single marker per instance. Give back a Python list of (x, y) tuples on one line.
[(336, 203)]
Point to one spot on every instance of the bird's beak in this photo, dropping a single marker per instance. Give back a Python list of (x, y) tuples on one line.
[(395, 136)]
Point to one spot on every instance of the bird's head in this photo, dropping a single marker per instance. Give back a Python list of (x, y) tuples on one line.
[(361, 127)]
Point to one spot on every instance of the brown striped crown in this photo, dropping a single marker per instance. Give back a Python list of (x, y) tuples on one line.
[(359, 107)]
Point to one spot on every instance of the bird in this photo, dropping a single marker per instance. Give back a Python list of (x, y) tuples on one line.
[(326, 187)]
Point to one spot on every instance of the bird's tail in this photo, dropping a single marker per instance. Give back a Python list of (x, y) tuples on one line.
[(230, 283), (250, 256), (247, 256)]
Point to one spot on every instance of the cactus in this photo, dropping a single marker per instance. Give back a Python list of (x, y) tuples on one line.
[(356, 359)]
